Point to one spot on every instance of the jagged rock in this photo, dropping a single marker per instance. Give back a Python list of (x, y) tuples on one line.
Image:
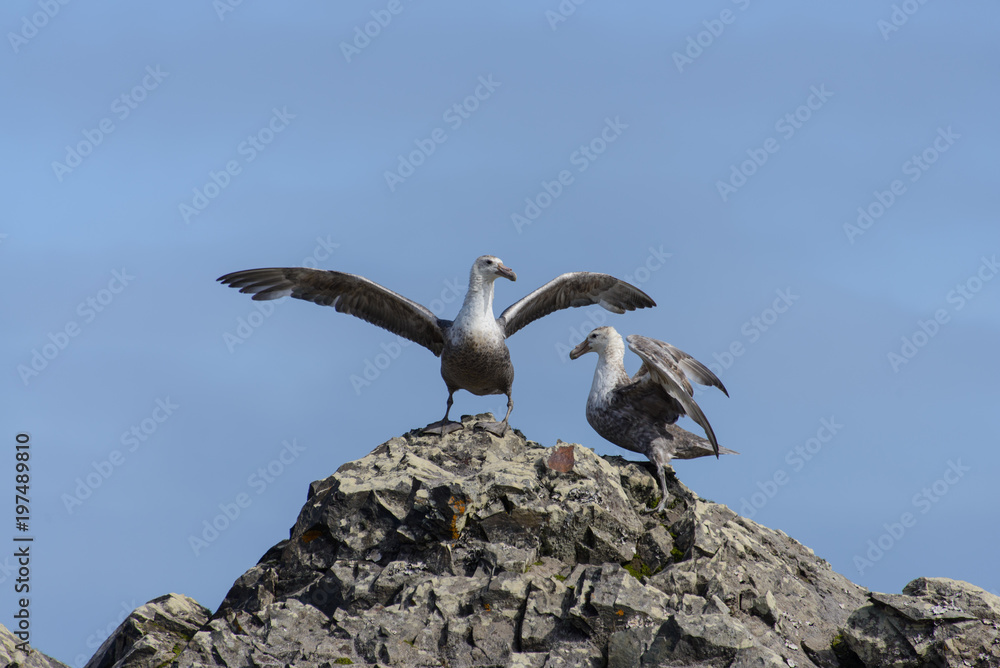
[(473, 550), (758, 657), (765, 608), (153, 634), (688, 639), (11, 657), (934, 622), (477, 550)]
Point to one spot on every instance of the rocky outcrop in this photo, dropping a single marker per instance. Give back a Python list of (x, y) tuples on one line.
[(11, 657), (934, 622), (153, 635), (473, 550)]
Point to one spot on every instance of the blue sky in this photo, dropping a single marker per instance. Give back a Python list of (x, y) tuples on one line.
[(807, 190)]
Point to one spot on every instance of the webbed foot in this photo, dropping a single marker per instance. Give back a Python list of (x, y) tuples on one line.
[(440, 428), (498, 429)]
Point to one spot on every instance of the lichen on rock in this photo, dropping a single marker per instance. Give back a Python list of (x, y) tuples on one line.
[(473, 550)]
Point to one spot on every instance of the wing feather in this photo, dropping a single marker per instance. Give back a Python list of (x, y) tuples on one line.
[(580, 288), (348, 293), (661, 362), (647, 398), (692, 368)]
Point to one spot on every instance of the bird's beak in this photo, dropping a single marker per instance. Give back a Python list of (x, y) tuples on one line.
[(506, 272), (583, 347)]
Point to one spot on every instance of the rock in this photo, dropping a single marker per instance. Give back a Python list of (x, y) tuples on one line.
[(687, 639), (153, 634), (473, 550), (934, 622), (758, 657), (765, 608), (626, 648), (15, 658)]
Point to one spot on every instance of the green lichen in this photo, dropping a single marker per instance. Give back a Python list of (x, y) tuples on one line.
[(636, 568), (530, 566), (837, 642), (676, 554), (561, 578), (176, 651), (343, 661)]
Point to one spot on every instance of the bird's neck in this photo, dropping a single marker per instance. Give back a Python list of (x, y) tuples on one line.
[(610, 372), (478, 304)]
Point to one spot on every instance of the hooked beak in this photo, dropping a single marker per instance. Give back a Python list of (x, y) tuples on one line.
[(583, 347), (506, 272)]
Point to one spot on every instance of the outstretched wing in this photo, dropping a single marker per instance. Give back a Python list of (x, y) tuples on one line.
[(347, 293), (666, 367), (580, 288), (692, 368)]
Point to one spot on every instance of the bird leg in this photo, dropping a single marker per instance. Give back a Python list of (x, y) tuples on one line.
[(660, 458), (663, 490), (498, 428), (443, 426)]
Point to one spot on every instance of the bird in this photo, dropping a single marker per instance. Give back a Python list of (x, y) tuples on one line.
[(472, 347), (639, 413)]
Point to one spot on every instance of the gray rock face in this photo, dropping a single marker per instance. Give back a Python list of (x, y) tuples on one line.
[(153, 635), (934, 622), (472, 550), (11, 657)]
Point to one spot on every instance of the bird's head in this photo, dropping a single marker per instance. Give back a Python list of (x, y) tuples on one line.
[(489, 268), (596, 342)]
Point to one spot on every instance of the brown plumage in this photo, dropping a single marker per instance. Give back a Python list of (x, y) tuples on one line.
[(639, 413), (474, 355)]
